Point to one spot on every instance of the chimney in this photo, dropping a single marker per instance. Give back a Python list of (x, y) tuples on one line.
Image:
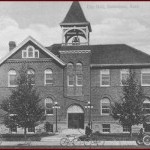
[(12, 45)]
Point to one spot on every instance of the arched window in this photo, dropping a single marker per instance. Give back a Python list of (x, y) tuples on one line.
[(48, 106), (105, 106), (79, 76), (31, 76), (70, 74), (30, 52), (146, 106), (12, 78), (48, 76), (79, 67), (70, 67)]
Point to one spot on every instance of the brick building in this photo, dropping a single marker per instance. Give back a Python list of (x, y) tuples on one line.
[(74, 73)]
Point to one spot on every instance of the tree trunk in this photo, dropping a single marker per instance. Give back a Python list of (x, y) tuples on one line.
[(25, 133), (131, 131)]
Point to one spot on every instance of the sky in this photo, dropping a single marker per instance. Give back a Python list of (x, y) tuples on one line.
[(111, 22)]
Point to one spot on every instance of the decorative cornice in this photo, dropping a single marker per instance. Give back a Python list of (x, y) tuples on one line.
[(121, 65), (28, 60), (75, 51)]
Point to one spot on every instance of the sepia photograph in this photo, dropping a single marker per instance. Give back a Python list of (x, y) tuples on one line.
[(74, 74)]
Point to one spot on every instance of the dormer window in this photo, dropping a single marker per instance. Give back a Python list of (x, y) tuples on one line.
[(30, 52)]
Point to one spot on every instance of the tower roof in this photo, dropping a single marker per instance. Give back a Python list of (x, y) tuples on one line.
[(75, 16)]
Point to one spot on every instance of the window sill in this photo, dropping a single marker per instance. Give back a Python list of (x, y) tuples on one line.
[(105, 114), (105, 132), (49, 114), (48, 84), (104, 85), (145, 84), (12, 86)]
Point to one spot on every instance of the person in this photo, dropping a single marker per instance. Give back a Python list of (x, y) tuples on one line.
[(141, 134), (88, 130)]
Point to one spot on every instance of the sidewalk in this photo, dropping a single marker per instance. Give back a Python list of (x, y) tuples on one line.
[(57, 143)]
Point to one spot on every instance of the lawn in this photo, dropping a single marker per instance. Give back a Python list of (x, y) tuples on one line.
[(113, 136), (20, 137)]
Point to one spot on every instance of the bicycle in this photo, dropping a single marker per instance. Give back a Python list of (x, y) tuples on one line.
[(70, 139), (1, 139), (91, 140), (144, 141)]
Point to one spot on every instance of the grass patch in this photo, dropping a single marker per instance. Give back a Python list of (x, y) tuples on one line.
[(112, 136), (20, 137)]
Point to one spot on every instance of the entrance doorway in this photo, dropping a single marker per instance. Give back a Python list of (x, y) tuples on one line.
[(75, 117)]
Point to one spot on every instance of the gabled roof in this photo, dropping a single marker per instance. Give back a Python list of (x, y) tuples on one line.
[(75, 16), (38, 44), (111, 54)]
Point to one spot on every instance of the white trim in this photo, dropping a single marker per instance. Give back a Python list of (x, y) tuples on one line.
[(107, 72), (104, 114), (68, 81), (9, 78), (35, 42), (75, 51), (24, 51), (74, 109), (45, 77), (77, 80), (106, 128), (119, 65)]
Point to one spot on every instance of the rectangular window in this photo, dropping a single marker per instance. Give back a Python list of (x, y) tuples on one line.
[(105, 77), (48, 106), (106, 128), (145, 77), (31, 129), (124, 74), (105, 109), (36, 54), (126, 129), (79, 80), (70, 80)]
